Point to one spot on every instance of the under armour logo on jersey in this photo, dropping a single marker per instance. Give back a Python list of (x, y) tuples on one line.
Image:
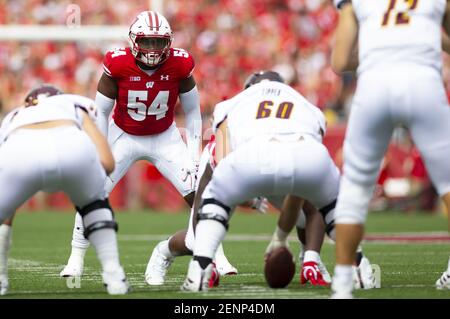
[(149, 84), (135, 78), (165, 77)]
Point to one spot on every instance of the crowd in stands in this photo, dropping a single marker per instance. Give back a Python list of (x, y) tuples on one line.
[(228, 39)]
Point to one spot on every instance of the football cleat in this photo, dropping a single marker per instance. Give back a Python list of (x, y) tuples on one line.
[(311, 272), (223, 265), (324, 271), (4, 284), (74, 268), (225, 268), (116, 282), (157, 267), (363, 276), (215, 277), (197, 279), (443, 282)]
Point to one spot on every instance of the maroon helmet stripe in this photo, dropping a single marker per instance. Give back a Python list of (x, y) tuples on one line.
[(150, 19), (156, 21)]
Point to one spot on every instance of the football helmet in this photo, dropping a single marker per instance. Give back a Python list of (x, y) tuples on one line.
[(260, 76), (150, 38), (39, 92)]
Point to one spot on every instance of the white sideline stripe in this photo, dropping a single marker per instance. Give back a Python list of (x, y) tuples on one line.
[(416, 233), (234, 290), (267, 237)]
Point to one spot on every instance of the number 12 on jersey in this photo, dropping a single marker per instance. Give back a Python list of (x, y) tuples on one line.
[(402, 17)]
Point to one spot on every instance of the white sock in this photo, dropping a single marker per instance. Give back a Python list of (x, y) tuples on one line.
[(5, 245), (343, 279), (104, 240), (359, 249), (164, 249), (78, 239), (77, 255), (105, 243), (344, 271), (311, 255), (208, 236)]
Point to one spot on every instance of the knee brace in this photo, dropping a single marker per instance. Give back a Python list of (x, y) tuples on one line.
[(212, 209), (328, 217), (97, 215), (353, 202)]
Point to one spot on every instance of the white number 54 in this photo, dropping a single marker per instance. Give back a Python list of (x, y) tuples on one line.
[(139, 110), (180, 52)]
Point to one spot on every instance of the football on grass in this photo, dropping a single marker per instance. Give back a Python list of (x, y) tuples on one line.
[(279, 268)]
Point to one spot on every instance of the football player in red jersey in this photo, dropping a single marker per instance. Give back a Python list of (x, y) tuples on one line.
[(144, 82)]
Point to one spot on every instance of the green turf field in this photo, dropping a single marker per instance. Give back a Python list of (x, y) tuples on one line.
[(41, 245)]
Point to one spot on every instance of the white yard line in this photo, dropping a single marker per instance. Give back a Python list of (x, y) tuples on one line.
[(173, 283), (23, 263)]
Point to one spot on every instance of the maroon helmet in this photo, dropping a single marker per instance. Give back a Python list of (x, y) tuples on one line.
[(262, 75), (43, 90)]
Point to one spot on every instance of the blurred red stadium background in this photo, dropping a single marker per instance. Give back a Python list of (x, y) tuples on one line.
[(228, 38)]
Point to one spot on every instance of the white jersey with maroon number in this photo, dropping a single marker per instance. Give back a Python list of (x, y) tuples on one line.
[(266, 109), (393, 32), (399, 85), (53, 108)]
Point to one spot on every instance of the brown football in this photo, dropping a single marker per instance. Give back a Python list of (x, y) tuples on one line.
[(279, 268)]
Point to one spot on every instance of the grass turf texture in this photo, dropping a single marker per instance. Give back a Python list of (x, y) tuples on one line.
[(41, 246)]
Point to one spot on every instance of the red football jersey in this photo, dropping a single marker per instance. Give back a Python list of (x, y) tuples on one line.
[(145, 103)]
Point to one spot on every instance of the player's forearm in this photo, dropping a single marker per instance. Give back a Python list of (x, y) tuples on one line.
[(105, 106), (344, 55), (101, 144), (190, 102), (289, 213)]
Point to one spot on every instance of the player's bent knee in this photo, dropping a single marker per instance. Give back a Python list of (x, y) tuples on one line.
[(353, 202), (97, 215), (212, 209)]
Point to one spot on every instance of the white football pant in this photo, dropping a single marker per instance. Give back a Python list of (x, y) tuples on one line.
[(58, 159), (410, 96)]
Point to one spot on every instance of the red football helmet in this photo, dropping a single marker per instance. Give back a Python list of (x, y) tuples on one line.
[(150, 38)]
